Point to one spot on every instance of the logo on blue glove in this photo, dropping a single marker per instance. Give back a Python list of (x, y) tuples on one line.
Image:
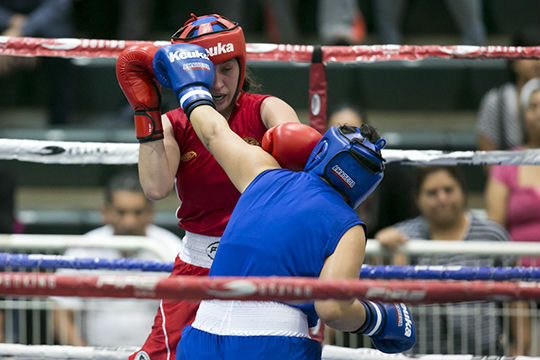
[(182, 55), (196, 66), (406, 317)]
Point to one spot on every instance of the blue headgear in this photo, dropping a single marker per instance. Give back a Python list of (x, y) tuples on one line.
[(349, 162)]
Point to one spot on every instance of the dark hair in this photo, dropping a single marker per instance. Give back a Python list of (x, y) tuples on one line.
[(370, 133), (250, 84), (422, 172), (367, 131), (524, 37), (345, 106), (127, 181)]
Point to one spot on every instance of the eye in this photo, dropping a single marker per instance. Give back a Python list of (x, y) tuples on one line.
[(121, 212), (431, 192)]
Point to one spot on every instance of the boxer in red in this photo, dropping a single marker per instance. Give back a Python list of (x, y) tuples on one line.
[(171, 155)]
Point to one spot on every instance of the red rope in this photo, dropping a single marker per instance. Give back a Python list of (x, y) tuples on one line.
[(26, 46), (268, 288)]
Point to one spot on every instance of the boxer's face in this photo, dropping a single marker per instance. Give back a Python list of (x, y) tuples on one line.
[(225, 84), (129, 213), (441, 199)]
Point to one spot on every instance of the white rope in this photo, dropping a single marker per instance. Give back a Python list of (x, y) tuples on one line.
[(436, 157), (444, 247), (19, 351), (66, 152), (330, 352), (62, 242), (51, 242)]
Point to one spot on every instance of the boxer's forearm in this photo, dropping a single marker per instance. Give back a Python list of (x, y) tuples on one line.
[(241, 161), (210, 126)]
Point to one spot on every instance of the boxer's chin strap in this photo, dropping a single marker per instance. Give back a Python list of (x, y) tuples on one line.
[(318, 89)]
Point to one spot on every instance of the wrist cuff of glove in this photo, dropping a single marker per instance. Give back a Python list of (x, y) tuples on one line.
[(148, 125), (374, 319), (190, 98), (200, 102)]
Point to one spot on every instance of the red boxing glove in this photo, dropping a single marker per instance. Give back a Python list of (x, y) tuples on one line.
[(291, 144), (136, 78)]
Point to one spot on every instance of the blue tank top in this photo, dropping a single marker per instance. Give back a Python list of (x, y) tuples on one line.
[(285, 223)]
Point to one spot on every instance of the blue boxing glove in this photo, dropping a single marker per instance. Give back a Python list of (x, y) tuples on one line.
[(186, 69), (390, 326)]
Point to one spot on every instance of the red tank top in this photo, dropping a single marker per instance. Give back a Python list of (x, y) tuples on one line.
[(207, 195)]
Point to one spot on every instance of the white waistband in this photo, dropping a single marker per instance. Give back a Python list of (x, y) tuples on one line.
[(199, 250), (250, 318)]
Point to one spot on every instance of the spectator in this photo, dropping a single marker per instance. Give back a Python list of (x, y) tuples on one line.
[(7, 202), (513, 198), (49, 19), (513, 192), (339, 22), (441, 196), (142, 11), (499, 127), (391, 201), (467, 15), (7, 219), (115, 322)]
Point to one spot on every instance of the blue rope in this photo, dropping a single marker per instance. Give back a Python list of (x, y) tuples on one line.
[(451, 273), (65, 262), (368, 271)]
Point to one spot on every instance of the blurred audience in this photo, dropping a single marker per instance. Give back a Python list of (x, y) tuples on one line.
[(391, 202), (118, 322), (7, 202), (48, 19), (513, 192), (499, 126), (339, 22), (7, 218), (441, 196), (135, 19), (513, 200), (467, 15)]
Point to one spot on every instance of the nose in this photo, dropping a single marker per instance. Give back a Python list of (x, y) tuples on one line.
[(130, 221), (442, 195), (218, 82)]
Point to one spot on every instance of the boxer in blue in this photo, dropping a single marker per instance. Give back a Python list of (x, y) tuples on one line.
[(285, 223)]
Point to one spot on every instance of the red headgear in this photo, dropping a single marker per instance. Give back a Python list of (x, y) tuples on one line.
[(222, 39)]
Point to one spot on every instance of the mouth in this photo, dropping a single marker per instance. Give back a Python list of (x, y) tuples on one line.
[(218, 98)]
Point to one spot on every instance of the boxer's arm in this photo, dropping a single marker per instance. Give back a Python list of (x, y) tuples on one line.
[(275, 111), (390, 326), (242, 162), (344, 263), (158, 163)]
